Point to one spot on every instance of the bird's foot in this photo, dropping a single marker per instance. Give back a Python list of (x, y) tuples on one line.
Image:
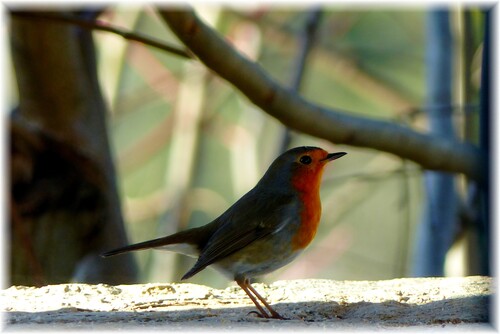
[(274, 315)]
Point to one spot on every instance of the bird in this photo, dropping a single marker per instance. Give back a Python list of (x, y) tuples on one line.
[(264, 230)]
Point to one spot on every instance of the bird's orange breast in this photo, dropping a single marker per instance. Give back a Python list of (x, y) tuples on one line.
[(307, 184)]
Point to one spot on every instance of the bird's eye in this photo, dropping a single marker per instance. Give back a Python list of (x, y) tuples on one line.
[(305, 160)]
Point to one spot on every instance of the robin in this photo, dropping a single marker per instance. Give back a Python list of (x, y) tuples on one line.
[(263, 231)]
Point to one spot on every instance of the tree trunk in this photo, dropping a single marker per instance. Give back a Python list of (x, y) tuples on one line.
[(439, 221), (64, 205), (483, 226)]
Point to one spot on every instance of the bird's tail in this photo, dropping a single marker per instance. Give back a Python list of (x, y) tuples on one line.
[(184, 237)]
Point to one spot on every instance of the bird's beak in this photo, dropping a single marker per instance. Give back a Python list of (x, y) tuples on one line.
[(333, 156)]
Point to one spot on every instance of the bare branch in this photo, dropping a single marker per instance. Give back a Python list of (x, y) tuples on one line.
[(297, 113), (96, 25), (307, 38)]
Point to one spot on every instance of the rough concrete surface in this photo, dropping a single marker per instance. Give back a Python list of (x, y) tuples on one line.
[(409, 303)]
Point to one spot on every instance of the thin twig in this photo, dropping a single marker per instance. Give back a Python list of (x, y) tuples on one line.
[(307, 39), (97, 25)]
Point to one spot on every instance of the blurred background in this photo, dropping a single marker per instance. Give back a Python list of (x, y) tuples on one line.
[(186, 144)]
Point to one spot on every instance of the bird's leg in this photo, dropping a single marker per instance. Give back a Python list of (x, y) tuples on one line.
[(244, 285), (274, 314), (252, 293)]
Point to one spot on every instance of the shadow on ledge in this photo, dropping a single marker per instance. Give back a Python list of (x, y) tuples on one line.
[(455, 311)]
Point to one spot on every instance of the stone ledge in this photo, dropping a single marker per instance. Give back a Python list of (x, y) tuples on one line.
[(407, 302)]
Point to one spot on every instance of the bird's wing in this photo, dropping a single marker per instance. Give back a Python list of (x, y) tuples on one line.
[(249, 220)]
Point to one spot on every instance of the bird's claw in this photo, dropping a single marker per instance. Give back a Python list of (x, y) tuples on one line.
[(257, 314), (265, 316)]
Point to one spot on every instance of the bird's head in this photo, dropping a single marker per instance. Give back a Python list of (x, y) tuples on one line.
[(300, 167)]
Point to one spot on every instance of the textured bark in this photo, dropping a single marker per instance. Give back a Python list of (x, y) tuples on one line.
[(64, 205)]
